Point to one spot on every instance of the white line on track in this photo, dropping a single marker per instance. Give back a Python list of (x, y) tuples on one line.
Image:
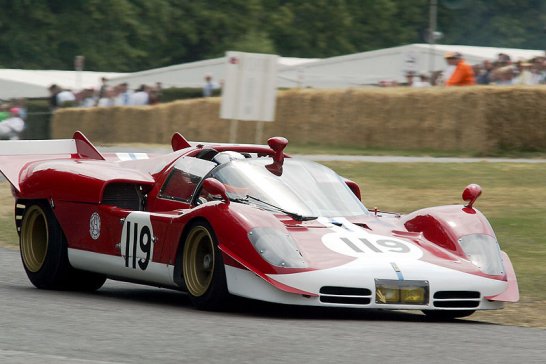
[(11, 356)]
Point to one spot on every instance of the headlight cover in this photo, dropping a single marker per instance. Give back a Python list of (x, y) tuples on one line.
[(401, 292), (484, 252), (278, 248)]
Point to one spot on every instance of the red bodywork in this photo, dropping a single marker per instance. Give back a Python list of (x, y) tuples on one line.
[(78, 182)]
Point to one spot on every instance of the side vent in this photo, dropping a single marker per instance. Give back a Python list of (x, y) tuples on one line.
[(123, 195), (345, 295)]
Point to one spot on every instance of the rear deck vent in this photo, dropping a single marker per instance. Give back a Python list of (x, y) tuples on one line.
[(123, 195), (345, 295)]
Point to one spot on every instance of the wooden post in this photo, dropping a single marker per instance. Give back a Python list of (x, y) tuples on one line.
[(233, 131), (259, 132)]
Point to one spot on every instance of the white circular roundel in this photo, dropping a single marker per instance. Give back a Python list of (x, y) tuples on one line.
[(94, 226), (371, 246)]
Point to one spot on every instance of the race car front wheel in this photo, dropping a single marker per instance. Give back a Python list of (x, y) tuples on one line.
[(44, 253), (203, 268)]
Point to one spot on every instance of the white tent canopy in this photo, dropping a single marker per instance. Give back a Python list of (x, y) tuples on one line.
[(359, 69), (193, 74), (16, 83), (390, 64)]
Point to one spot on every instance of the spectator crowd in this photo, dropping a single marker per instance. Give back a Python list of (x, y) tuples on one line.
[(105, 95), (13, 113), (12, 119), (500, 71)]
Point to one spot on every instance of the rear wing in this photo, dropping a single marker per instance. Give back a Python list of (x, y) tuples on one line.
[(178, 142), (16, 154)]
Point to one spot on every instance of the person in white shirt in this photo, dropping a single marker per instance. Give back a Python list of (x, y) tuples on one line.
[(107, 99), (12, 127), (88, 98), (123, 95), (64, 97), (422, 82), (141, 96), (525, 75), (209, 87)]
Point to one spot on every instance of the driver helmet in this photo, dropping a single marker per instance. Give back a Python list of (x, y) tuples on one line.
[(224, 157)]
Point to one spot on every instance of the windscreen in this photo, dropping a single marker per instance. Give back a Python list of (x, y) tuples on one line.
[(303, 187)]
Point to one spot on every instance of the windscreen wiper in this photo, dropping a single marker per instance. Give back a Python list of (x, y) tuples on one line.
[(293, 215)]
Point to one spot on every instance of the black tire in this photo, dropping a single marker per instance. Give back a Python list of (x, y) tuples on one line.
[(203, 268), (447, 315), (44, 253)]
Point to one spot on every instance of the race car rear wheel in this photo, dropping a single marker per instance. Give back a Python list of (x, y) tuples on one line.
[(34, 239), (446, 315), (203, 268), (44, 253)]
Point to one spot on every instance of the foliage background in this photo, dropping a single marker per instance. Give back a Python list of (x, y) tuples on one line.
[(131, 35)]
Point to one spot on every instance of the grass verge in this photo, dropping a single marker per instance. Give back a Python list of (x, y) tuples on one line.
[(8, 234), (294, 149), (355, 150)]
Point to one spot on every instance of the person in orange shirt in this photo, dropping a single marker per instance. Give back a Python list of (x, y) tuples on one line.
[(463, 75)]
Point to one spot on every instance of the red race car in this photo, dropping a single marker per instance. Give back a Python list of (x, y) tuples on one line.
[(216, 220)]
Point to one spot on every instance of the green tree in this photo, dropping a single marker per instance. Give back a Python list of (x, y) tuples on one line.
[(25, 30), (310, 28), (388, 23), (254, 42), (497, 23), (132, 35), (221, 24)]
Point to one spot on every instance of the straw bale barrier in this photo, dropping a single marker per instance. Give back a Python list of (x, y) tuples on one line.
[(476, 119)]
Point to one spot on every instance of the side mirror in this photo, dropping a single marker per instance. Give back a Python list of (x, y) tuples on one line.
[(471, 194), (277, 144), (215, 187)]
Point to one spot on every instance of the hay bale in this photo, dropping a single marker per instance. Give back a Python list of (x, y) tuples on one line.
[(473, 119)]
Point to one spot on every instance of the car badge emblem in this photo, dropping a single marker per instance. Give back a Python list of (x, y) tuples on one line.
[(94, 226)]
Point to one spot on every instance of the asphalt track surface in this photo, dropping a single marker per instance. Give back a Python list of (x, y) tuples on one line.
[(128, 323)]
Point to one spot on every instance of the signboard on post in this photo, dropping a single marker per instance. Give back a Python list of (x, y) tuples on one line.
[(411, 63), (250, 88), (79, 62)]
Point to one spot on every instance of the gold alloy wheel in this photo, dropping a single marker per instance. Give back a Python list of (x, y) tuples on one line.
[(34, 238), (198, 261)]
